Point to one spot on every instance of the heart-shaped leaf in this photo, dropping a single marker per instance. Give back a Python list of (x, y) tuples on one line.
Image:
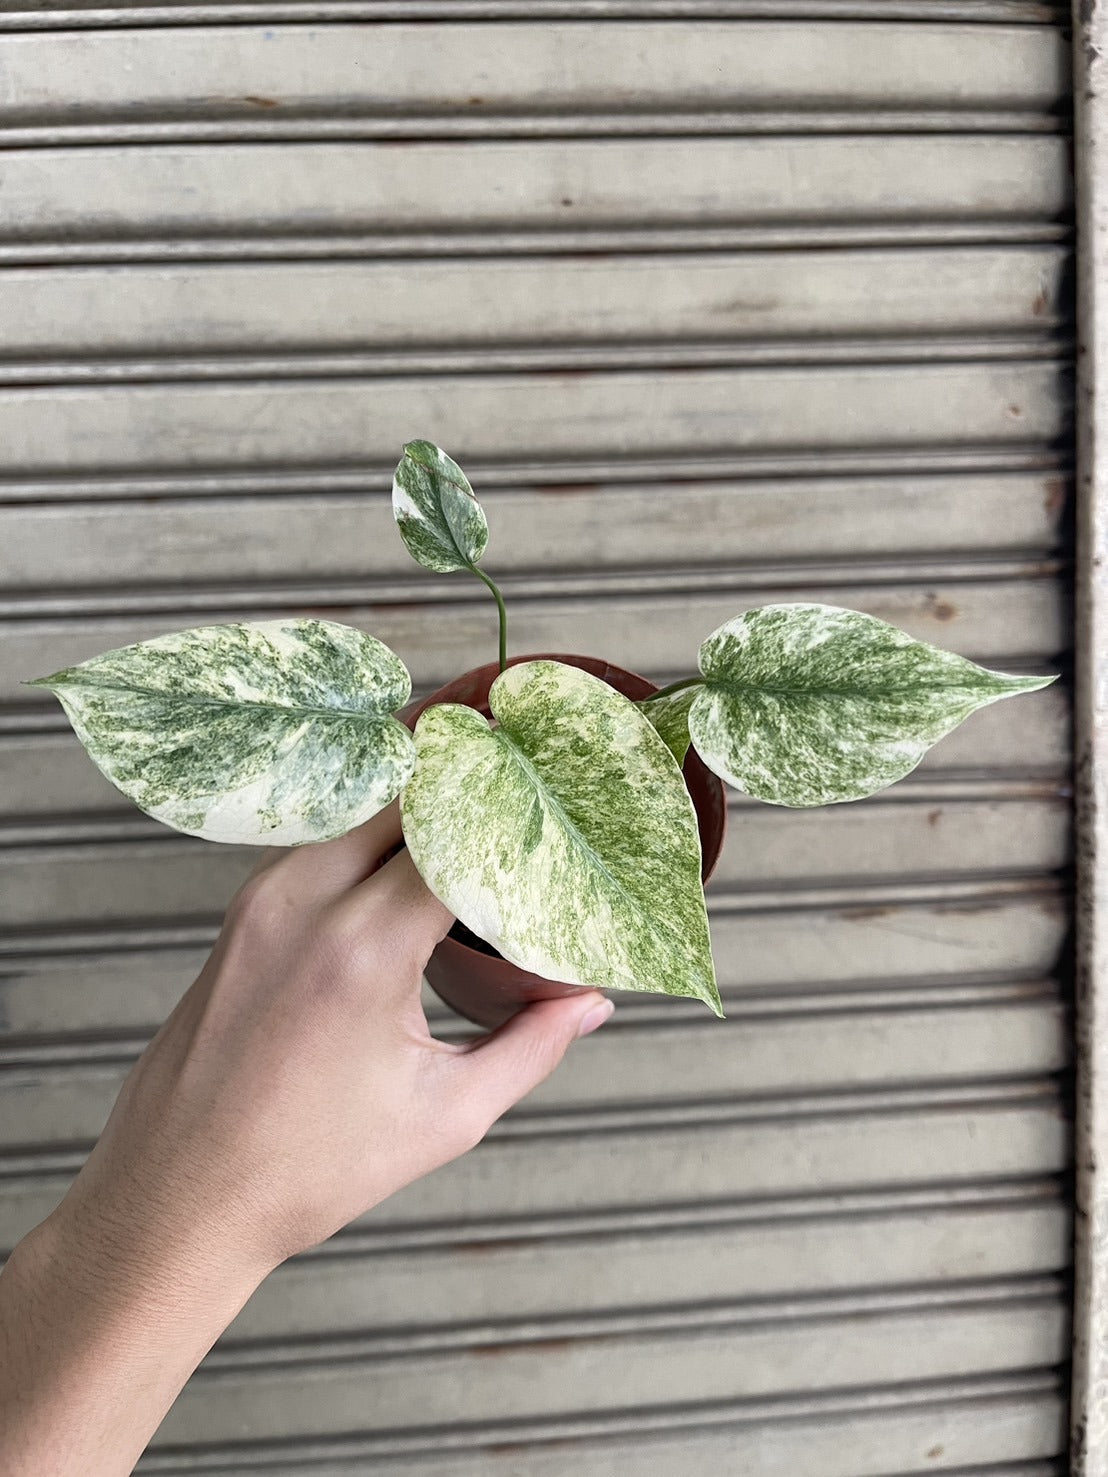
[(440, 519), (812, 704), (275, 732), (564, 836)]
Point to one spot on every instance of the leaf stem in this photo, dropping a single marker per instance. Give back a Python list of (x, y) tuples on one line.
[(673, 687), (481, 575)]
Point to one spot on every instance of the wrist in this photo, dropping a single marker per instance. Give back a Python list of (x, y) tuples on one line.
[(101, 1324), (183, 1280)]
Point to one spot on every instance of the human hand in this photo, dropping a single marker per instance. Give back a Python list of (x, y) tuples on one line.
[(295, 1085)]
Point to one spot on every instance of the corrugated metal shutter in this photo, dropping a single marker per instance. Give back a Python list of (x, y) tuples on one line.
[(718, 303)]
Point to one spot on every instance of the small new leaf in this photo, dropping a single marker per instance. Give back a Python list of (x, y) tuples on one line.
[(565, 836), (811, 704), (439, 518), (268, 733)]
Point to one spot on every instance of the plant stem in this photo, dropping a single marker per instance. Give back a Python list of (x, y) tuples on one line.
[(673, 687), (481, 575)]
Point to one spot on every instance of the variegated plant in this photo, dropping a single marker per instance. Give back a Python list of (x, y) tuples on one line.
[(561, 832)]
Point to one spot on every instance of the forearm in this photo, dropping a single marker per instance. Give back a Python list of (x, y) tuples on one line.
[(99, 1330)]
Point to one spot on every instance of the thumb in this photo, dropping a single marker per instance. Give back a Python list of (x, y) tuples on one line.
[(511, 1061)]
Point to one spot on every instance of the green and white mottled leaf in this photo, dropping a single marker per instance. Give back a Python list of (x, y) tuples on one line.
[(564, 836), (275, 732), (812, 704), (670, 716), (440, 519)]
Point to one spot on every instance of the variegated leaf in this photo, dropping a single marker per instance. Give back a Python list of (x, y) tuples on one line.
[(275, 732), (440, 519), (565, 835), (670, 716), (812, 704)]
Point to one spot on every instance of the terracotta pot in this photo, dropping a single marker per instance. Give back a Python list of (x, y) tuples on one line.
[(465, 971)]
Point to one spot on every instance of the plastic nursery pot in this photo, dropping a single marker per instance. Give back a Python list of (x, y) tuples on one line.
[(467, 972)]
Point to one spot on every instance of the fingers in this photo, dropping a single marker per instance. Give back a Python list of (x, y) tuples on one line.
[(412, 902), (389, 925), (511, 1062), (322, 871)]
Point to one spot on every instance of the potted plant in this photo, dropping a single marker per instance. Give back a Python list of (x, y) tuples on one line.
[(566, 811)]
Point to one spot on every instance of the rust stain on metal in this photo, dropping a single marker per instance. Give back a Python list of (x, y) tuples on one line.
[(261, 102), (971, 910), (942, 610), (1055, 489), (521, 1448), (934, 816), (750, 305), (490, 1248)]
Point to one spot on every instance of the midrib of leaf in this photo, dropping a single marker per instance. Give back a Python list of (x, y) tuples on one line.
[(659, 931), (215, 702), (739, 689), (466, 493), (466, 560)]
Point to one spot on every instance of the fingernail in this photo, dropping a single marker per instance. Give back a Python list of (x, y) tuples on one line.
[(594, 1018)]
